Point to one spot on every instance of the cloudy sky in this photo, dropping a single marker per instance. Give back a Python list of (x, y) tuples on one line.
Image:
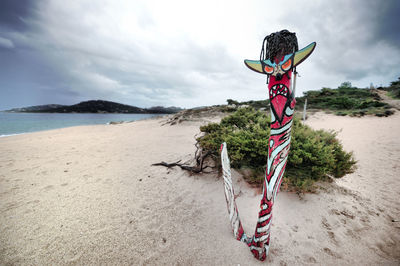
[(184, 53)]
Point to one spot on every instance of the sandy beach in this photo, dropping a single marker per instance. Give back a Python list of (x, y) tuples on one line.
[(89, 195)]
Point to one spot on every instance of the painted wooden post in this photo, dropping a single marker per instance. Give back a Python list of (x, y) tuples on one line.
[(305, 110), (282, 101)]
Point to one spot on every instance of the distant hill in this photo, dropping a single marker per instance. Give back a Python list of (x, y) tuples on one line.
[(164, 110), (96, 106), (36, 108)]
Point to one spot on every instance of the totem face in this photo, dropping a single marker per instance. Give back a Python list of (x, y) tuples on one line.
[(280, 95), (280, 71), (287, 63)]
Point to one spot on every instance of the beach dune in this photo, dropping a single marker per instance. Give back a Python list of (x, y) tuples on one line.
[(89, 195)]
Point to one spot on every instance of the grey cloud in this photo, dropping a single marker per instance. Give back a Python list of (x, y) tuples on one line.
[(354, 38), (87, 70), (387, 21), (14, 12), (6, 43), (65, 56)]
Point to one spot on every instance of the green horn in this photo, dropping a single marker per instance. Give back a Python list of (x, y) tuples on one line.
[(302, 54), (254, 65)]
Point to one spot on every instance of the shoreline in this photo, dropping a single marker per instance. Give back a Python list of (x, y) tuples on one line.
[(112, 122), (16, 134)]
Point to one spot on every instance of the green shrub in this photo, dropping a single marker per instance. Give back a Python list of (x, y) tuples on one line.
[(230, 102), (394, 89), (313, 154), (345, 100)]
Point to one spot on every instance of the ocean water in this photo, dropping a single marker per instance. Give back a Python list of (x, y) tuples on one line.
[(18, 123)]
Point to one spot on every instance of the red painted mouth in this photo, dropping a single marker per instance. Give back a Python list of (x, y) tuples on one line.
[(278, 89), (279, 97)]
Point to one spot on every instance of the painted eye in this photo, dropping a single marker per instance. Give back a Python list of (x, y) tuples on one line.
[(268, 69), (286, 66)]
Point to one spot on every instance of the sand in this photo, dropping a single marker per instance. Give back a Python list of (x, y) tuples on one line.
[(89, 195)]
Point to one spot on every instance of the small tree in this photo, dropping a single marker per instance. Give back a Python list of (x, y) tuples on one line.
[(345, 85), (231, 102), (395, 83)]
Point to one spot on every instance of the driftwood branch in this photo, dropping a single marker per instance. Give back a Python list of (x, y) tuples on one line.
[(169, 165), (200, 156)]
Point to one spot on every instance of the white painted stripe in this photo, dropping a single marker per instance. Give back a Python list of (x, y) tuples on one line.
[(260, 250), (264, 218), (282, 129), (276, 152), (289, 111), (273, 180), (273, 119), (264, 228), (262, 238)]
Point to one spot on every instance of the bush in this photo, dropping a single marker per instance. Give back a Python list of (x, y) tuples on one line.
[(394, 89), (313, 154), (345, 100), (345, 85), (232, 102)]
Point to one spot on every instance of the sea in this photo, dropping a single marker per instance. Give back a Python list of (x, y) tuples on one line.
[(20, 123)]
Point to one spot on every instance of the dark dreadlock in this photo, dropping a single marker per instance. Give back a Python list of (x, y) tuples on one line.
[(278, 44)]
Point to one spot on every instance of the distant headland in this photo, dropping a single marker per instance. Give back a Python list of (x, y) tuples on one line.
[(95, 106)]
